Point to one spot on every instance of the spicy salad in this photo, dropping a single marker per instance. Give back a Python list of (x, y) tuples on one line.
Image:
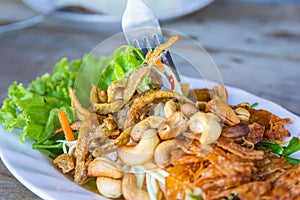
[(138, 139)]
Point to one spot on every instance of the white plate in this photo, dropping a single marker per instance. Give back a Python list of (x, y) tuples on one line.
[(37, 173), (111, 10)]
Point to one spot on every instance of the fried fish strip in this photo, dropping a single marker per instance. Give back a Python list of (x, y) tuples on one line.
[(147, 99), (82, 113), (153, 56), (82, 148), (230, 164), (130, 84), (270, 168), (252, 190), (287, 186), (243, 152)]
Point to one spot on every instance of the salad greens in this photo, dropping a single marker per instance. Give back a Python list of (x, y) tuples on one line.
[(123, 61), (254, 105), (195, 197), (292, 147), (34, 109)]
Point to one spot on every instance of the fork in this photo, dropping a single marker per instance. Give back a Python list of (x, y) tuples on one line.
[(142, 30)]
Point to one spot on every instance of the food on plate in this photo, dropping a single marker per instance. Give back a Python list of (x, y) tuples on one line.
[(141, 140)]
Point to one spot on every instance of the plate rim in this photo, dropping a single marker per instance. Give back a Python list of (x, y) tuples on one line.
[(232, 91)]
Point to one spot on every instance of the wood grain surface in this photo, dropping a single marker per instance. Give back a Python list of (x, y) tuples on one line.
[(255, 45)]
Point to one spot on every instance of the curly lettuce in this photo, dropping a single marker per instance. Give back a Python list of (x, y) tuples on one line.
[(34, 109), (123, 61)]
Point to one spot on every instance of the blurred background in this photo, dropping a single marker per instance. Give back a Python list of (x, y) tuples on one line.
[(254, 43)]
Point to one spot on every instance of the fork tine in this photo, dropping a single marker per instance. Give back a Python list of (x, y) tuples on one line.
[(147, 41), (142, 30), (145, 37), (138, 20)]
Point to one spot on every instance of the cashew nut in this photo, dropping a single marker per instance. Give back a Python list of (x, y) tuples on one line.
[(108, 187), (169, 108), (131, 191), (163, 153), (188, 109), (185, 88), (242, 113), (219, 92), (222, 110), (198, 122), (175, 124), (101, 166), (209, 128), (215, 117), (138, 130), (245, 105), (142, 152), (158, 109)]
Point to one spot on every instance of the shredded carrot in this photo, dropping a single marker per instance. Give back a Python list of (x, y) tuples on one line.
[(63, 119), (160, 66)]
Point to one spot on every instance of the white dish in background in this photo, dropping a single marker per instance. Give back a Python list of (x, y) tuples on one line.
[(111, 11), (37, 173)]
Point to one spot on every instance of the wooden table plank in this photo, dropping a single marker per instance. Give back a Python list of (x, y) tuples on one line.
[(10, 188), (272, 39)]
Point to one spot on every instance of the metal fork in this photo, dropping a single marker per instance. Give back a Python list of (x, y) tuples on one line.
[(142, 29)]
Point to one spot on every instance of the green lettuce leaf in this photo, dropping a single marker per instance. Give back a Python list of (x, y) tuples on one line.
[(293, 146), (281, 151), (34, 109), (123, 61)]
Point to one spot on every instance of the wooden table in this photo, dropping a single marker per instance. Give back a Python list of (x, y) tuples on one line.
[(255, 45)]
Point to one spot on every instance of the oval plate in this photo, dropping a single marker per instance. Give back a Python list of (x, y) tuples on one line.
[(37, 173)]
